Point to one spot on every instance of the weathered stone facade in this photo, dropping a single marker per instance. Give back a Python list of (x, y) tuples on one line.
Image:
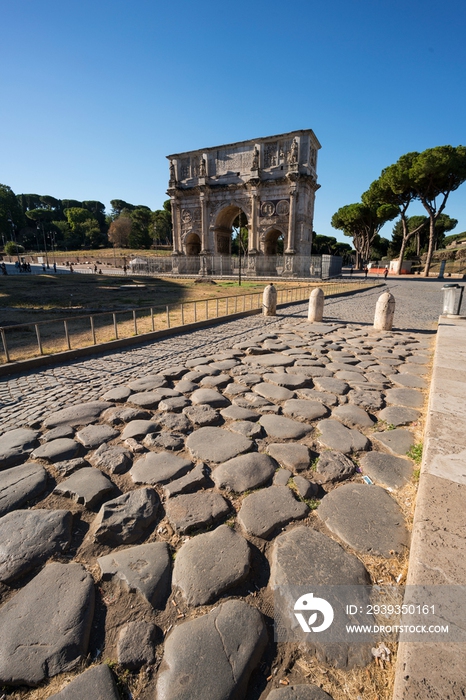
[(271, 182)]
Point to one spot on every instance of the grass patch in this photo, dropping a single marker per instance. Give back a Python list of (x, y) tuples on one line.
[(415, 453)]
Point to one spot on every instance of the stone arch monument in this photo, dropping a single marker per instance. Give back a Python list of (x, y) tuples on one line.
[(271, 182)]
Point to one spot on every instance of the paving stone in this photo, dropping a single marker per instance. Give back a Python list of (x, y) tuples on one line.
[(145, 568), (119, 394), (331, 385), (202, 415), (46, 625), (238, 413), (312, 371), (111, 458), (397, 442), (87, 486), (333, 466), (246, 428), (269, 360), (125, 519), (248, 378), (192, 511), (353, 416), (290, 381), (210, 564), (251, 400), (232, 638), (126, 414), (272, 392), (369, 400), (193, 362), (133, 445), (419, 359), (207, 371), (304, 557), (217, 444), (159, 467), (97, 682), (139, 428), (149, 383), (294, 457), (81, 414), (177, 403), (56, 450), (21, 484), (70, 465), (29, 538), (418, 370), (94, 435), (209, 397), (63, 431), (264, 511), (245, 472), (306, 488), (305, 409), (165, 440), (218, 382), (15, 446), (399, 415), (194, 480), (223, 365), (176, 422), (299, 692), (136, 643), (235, 389), (387, 470), (366, 518), (411, 381), (174, 372), (186, 387), (322, 396), (284, 428), (281, 477), (336, 436), (151, 399)]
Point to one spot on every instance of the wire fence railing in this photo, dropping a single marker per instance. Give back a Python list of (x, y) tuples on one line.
[(31, 340)]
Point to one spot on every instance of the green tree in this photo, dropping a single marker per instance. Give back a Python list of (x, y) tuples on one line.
[(98, 210), (12, 248), (141, 234), (162, 219), (84, 226), (11, 215), (362, 222), (434, 174), (118, 205)]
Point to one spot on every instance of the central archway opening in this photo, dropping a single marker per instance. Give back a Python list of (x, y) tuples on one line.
[(274, 242), (231, 231)]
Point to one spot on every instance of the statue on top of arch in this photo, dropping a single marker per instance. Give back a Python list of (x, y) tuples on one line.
[(294, 152)]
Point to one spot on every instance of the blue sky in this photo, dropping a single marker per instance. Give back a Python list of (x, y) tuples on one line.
[(96, 94)]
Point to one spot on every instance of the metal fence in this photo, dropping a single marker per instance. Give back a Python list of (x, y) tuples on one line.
[(29, 340)]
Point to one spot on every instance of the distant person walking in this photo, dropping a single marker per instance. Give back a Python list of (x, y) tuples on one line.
[(54, 266), (4, 270), (385, 272), (365, 270), (351, 270)]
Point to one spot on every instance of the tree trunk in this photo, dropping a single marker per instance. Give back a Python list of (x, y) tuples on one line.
[(430, 250), (404, 242)]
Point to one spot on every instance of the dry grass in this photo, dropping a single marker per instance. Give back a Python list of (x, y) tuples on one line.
[(122, 302)]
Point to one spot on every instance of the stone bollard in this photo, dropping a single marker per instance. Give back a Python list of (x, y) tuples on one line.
[(316, 305), (384, 312), (269, 301)]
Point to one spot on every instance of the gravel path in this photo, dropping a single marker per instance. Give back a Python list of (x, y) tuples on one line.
[(26, 398)]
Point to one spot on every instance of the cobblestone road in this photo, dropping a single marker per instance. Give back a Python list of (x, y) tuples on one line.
[(25, 399)]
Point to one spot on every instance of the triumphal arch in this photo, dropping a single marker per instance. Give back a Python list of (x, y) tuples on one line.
[(267, 185)]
